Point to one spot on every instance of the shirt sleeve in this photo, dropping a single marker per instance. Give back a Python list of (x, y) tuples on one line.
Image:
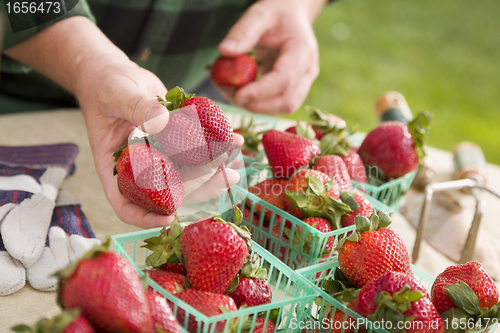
[(23, 23)]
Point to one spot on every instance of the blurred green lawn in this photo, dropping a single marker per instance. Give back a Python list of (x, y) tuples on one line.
[(444, 56)]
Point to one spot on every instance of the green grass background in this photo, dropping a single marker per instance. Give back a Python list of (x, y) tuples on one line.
[(444, 56)]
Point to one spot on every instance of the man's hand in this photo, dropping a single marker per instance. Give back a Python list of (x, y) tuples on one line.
[(283, 39), (115, 95)]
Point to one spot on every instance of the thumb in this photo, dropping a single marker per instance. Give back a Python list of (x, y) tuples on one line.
[(147, 114), (246, 32)]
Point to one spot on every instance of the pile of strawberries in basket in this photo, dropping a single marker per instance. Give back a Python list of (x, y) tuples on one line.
[(215, 273), (374, 279)]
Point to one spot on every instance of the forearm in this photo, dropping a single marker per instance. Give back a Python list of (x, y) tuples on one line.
[(64, 50)]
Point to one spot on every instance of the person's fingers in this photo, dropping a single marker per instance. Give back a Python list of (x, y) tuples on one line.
[(194, 177), (238, 139), (289, 101), (139, 106), (246, 32), (213, 188)]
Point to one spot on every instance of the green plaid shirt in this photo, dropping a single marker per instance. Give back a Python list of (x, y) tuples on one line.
[(175, 39)]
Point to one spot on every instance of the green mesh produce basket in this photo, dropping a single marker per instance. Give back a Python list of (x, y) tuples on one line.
[(304, 245), (390, 193), (291, 293), (316, 316)]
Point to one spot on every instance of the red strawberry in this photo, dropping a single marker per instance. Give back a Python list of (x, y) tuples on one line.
[(472, 274), (322, 225), (65, 322), (363, 208), (173, 268), (171, 282), (197, 133), (372, 251), (252, 288), (163, 317), (207, 303), (355, 166), (287, 152), (234, 72), (214, 251), (260, 328), (148, 178), (271, 191), (107, 290), (251, 292), (313, 194), (403, 299), (396, 148), (334, 167)]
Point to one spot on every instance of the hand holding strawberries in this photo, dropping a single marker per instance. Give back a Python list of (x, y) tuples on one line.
[(283, 39)]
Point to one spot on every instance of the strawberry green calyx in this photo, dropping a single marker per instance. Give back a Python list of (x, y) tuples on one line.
[(304, 129), (55, 324), (251, 136), (316, 203), (468, 309), (242, 231), (363, 224), (391, 308), (320, 120), (166, 247), (174, 98), (419, 128), (347, 197)]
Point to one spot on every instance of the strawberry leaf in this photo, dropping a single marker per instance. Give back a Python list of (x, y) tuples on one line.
[(174, 98), (305, 130), (362, 223), (464, 298), (315, 184), (455, 318), (419, 128), (384, 220), (298, 198)]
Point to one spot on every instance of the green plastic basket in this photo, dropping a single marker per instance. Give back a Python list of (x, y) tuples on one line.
[(390, 193), (292, 250), (291, 293), (318, 273)]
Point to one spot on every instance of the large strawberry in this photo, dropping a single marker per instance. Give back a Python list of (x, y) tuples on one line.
[(397, 298), (287, 152), (65, 322), (107, 290), (372, 251), (214, 251), (314, 194), (197, 132), (466, 291), (252, 287), (209, 304), (234, 72), (334, 167), (359, 205), (171, 282), (396, 148), (148, 178), (163, 318), (271, 191)]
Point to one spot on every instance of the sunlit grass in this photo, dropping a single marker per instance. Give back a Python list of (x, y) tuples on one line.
[(444, 56)]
